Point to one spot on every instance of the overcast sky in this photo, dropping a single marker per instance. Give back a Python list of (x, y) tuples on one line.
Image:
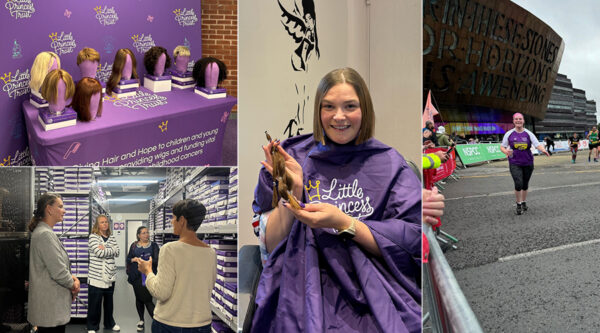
[(578, 23)]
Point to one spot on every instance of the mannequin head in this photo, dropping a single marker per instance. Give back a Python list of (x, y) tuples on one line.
[(58, 90), (205, 72), (123, 69), (156, 60), (88, 60), (44, 63), (181, 56), (88, 99)]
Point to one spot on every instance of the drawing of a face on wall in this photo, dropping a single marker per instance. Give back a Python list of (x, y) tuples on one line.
[(301, 24)]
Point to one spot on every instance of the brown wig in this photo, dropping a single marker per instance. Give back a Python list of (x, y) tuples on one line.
[(87, 53), (151, 58), (85, 89), (47, 199), (96, 228), (49, 90), (200, 70), (351, 77), (117, 68)]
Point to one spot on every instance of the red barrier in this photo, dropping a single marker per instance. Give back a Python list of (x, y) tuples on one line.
[(430, 176)]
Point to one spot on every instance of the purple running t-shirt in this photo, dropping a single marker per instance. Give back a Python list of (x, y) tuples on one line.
[(521, 144)]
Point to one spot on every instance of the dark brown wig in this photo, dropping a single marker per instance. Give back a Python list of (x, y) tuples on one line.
[(151, 57), (84, 90), (117, 68), (200, 70)]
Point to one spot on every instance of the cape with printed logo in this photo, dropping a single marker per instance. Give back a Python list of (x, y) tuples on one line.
[(314, 281)]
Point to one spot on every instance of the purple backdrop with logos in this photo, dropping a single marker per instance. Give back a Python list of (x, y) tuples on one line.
[(65, 27), (170, 128)]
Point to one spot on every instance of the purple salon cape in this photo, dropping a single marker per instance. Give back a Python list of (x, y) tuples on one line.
[(314, 281)]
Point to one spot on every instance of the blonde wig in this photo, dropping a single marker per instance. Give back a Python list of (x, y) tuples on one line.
[(87, 53), (181, 50), (84, 90), (117, 68), (351, 77), (96, 227), (49, 87), (40, 68)]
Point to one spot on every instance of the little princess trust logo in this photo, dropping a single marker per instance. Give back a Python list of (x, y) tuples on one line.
[(103, 72), (62, 43), (16, 84), (106, 16), (141, 100), (185, 17), (142, 43), (20, 8)]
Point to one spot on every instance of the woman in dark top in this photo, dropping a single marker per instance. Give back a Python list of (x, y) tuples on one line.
[(142, 248)]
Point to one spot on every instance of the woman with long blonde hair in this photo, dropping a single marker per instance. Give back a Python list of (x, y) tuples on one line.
[(103, 250)]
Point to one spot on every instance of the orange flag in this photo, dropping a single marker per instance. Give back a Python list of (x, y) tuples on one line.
[(429, 111)]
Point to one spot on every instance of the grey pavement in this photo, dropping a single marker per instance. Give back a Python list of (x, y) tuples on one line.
[(536, 272)]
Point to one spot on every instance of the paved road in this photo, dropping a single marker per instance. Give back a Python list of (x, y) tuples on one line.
[(538, 272)]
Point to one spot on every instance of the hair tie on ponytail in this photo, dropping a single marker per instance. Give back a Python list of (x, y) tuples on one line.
[(35, 212)]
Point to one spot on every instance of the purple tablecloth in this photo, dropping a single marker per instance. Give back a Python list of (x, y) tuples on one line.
[(169, 128)]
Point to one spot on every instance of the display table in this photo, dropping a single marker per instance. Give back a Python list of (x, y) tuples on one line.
[(170, 128)]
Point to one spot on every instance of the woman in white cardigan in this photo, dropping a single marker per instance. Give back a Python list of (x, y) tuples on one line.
[(103, 250), (187, 270)]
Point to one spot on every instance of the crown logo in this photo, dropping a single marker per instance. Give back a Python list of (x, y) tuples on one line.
[(6, 161), (310, 186), (135, 37), (163, 126), (97, 9), (6, 77), (177, 12), (53, 36)]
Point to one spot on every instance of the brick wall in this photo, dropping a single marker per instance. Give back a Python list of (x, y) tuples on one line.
[(219, 37)]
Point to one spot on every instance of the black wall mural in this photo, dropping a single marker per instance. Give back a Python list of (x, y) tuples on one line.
[(300, 21)]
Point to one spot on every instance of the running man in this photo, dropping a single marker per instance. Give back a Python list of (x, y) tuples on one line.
[(594, 143), (516, 145), (574, 145)]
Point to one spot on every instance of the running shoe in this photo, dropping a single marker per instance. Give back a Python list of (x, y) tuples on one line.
[(140, 325), (573, 161), (519, 209), (524, 206)]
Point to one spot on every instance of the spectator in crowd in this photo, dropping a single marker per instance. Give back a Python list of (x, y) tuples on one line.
[(443, 139), (430, 127)]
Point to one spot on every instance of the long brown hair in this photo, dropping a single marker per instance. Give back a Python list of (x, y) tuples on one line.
[(47, 199), (117, 68), (350, 76), (96, 228), (84, 90)]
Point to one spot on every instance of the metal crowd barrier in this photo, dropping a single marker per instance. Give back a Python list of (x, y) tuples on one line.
[(449, 310)]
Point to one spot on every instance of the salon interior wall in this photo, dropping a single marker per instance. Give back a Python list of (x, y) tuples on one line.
[(121, 216), (355, 33), (29, 27)]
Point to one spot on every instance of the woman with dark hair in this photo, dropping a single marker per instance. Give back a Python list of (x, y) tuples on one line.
[(52, 287), (350, 258), (187, 271), (145, 249), (103, 250)]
